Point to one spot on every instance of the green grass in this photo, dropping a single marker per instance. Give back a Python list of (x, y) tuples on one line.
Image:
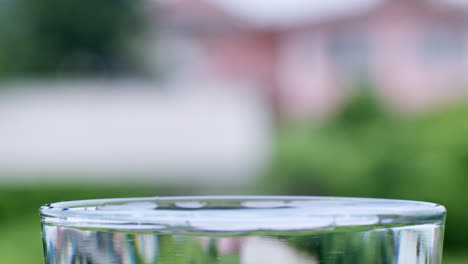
[(20, 242), (20, 239), (455, 257)]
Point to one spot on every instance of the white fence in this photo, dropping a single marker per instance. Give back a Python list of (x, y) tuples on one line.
[(206, 134)]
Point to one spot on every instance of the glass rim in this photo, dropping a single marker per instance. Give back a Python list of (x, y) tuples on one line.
[(239, 214)]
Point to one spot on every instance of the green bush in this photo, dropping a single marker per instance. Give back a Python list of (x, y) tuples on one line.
[(366, 151), (50, 37)]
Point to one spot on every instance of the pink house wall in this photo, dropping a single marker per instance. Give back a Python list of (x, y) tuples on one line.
[(407, 80), (306, 80), (311, 84)]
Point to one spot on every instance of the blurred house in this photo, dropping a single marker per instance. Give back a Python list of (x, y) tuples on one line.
[(306, 56)]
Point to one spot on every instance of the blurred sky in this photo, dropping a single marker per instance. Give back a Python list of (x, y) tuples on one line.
[(280, 12)]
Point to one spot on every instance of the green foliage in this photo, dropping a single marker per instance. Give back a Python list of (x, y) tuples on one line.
[(364, 151), (50, 37)]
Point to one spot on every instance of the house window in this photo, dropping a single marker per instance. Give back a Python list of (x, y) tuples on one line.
[(349, 52), (443, 44)]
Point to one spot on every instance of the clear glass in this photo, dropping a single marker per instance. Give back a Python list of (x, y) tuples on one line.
[(244, 229)]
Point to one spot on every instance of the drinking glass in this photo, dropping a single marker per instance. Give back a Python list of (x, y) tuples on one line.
[(243, 229)]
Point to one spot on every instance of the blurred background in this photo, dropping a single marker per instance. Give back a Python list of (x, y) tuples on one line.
[(118, 98)]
